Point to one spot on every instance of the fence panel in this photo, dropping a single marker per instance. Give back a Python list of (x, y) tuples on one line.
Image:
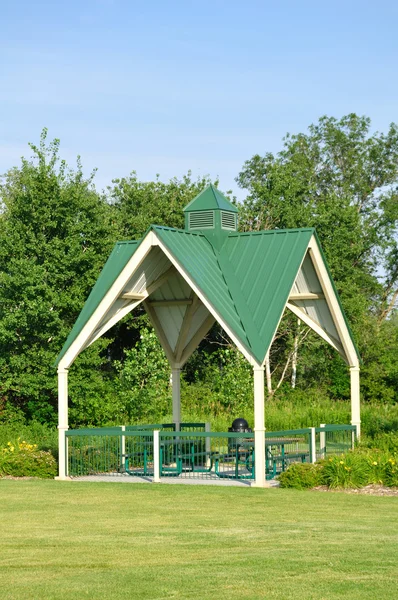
[(334, 439), (93, 451), (206, 455), (282, 448)]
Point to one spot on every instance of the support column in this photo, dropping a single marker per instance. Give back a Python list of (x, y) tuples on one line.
[(259, 427), (355, 399), (176, 394), (62, 422)]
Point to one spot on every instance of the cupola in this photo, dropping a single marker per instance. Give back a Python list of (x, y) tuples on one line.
[(212, 214)]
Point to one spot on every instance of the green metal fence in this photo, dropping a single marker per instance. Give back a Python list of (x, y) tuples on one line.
[(334, 439), (93, 451), (116, 450), (197, 453), (207, 455), (282, 448)]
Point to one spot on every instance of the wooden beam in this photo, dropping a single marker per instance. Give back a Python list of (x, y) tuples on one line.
[(159, 332), (166, 303), (160, 280), (185, 325), (132, 300), (151, 288), (131, 296), (128, 307), (299, 312), (197, 338), (333, 303), (306, 296)]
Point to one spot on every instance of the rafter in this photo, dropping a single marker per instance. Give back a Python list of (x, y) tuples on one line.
[(159, 332), (130, 296), (185, 325), (129, 305), (306, 296), (301, 314), (166, 303), (197, 338)]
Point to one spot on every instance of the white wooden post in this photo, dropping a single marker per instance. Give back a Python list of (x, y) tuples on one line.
[(355, 399), (62, 423), (176, 394), (123, 448), (322, 442), (259, 427), (312, 445), (207, 445), (156, 457)]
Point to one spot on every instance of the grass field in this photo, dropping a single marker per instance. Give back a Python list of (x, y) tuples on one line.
[(70, 540)]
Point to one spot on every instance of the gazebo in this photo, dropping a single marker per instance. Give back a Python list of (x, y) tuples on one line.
[(209, 272)]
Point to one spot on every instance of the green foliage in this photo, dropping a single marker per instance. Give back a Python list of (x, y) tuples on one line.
[(55, 233), (388, 442), (34, 433), (301, 476), (144, 379), (22, 459), (343, 180), (355, 469), (226, 383), (349, 470), (141, 204)]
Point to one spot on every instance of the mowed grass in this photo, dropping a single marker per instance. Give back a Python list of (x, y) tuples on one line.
[(112, 540)]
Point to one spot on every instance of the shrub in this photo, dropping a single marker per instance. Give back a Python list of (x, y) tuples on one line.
[(26, 460), (383, 441), (301, 476), (391, 472), (345, 471)]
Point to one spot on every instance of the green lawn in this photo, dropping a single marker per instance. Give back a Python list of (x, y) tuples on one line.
[(112, 540)]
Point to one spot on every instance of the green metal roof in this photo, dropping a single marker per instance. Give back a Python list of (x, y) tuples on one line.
[(119, 257), (210, 199), (246, 278), (200, 260), (247, 282), (260, 269)]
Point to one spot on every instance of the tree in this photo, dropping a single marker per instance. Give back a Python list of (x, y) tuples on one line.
[(342, 180), (137, 204), (55, 234)]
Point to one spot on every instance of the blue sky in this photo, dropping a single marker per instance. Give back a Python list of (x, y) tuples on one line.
[(167, 86)]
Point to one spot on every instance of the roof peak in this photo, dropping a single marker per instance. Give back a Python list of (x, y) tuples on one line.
[(210, 199)]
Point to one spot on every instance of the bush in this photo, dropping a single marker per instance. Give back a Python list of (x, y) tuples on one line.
[(387, 442), (355, 469), (301, 476), (345, 471), (45, 437), (26, 460)]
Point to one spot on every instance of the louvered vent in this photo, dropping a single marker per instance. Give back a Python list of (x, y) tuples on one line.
[(203, 219), (228, 220)]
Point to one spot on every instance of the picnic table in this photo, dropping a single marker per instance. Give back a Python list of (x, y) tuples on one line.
[(243, 454)]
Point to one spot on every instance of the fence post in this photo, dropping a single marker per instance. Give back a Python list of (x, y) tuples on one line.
[(156, 456), (312, 445), (354, 435), (122, 447), (207, 445), (322, 442)]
